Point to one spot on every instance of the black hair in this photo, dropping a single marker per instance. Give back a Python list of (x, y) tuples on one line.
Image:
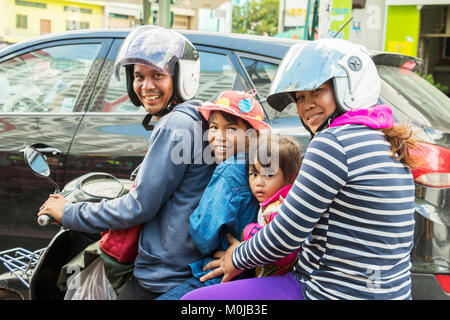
[(285, 148), (230, 118)]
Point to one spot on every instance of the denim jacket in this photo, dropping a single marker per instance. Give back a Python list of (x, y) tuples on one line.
[(227, 206)]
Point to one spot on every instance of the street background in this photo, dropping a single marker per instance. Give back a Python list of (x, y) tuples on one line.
[(419, 28)]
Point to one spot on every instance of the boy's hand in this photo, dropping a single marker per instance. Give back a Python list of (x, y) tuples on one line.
[(223, 263)]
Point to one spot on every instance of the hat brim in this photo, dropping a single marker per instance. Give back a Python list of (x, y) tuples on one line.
[(258, 125)]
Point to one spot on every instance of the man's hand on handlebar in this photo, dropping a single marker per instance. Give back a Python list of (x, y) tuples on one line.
[(54, 206)]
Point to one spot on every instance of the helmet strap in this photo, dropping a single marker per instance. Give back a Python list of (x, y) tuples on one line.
[(148, 117), (146, 122), (324, 124), (163, 111), (172, 103)]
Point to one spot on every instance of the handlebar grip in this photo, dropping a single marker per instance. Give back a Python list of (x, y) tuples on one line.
[(44, 220)]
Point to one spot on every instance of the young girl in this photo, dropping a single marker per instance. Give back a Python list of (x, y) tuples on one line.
[(227, 204), (351, 208), (270, 183)]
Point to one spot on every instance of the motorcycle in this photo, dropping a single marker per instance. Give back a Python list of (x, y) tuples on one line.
[(34, 274)]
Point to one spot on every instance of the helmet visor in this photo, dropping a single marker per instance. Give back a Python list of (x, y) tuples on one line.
[(305, 67), (153, 46)]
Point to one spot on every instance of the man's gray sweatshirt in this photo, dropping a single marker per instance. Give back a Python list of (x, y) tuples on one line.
[(169, 186)]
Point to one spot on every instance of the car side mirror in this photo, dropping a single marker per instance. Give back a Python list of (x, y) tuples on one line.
[(36, 161), (38, 164)]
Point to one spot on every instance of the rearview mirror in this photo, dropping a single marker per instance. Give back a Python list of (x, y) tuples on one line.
[(36, 162)]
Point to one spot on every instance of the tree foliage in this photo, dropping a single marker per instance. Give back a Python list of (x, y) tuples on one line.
[(256, 17), (430, 79)]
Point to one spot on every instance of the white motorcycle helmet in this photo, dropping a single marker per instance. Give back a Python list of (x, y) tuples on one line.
[(165, 49), (308, 65)]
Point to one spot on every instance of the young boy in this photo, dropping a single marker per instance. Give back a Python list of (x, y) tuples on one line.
[(227, 205)]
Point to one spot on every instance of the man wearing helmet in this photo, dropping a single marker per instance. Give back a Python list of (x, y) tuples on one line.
[(162, 74), (153, 87), (351, 207)]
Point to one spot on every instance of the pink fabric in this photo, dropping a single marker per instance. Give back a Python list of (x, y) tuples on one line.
[(287, 260), (376, 117), (253, 228), (283, 193), (250, 230)]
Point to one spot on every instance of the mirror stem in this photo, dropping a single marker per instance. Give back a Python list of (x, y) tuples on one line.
[(54, 184)]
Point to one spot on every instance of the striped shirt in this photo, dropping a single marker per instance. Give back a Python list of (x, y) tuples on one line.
[(351, 211)]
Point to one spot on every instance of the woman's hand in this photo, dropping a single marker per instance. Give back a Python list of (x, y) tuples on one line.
[(223, 264), (54, 206)]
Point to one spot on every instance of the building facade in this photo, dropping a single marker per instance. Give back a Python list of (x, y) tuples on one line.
[(419, 28), (23, 19)]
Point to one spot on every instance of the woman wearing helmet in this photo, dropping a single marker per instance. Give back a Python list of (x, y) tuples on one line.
[(351, 207), (162, 69)]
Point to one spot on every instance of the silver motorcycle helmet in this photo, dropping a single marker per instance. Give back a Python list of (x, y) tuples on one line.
[(164, 49), (308, 65)]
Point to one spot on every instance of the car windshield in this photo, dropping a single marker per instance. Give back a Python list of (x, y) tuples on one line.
[(432, 104)]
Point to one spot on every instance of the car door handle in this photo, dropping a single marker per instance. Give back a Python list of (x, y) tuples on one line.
[(49, 151)]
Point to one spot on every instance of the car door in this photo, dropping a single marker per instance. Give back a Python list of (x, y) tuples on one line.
[(44, 92), (111, 137)]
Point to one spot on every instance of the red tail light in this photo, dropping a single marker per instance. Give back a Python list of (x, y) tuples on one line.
[(434, 166), (444, 281), (410, 65)]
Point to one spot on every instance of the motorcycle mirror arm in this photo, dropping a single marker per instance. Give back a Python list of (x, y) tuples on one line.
[(46, 219), (54, 184)]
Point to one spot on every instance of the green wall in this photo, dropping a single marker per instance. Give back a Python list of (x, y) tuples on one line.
[(402, 30), (341, 11)]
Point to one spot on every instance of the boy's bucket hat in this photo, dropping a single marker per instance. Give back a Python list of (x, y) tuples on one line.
[(241, 104)]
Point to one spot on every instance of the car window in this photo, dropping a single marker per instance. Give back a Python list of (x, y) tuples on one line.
[(116, 97), (261, 73), (288, 112), (45, 80), (217, 74), (422, 101)]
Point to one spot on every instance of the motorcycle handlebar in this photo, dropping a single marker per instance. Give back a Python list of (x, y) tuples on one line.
[(44, 220)]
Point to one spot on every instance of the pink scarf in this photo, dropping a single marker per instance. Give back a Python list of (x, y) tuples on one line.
[(282, 193), (376, 117)]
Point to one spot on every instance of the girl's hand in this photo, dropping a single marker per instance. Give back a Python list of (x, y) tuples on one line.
[(54, 206), (223, 264)]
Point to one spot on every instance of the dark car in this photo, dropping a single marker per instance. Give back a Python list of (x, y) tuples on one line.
[(58, 94)]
